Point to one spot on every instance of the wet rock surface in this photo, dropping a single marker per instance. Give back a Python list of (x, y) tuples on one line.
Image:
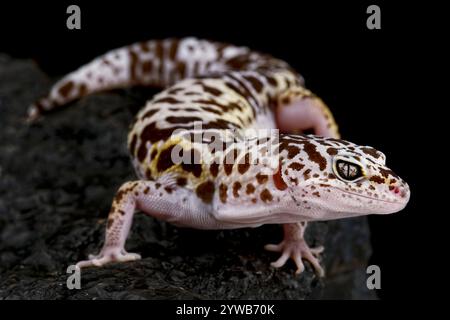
[(57, 181)]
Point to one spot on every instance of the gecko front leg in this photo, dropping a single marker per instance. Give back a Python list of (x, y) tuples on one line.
[(294, 246), (153, 198)]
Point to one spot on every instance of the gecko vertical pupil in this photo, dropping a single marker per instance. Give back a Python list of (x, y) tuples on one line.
[(348, 171)]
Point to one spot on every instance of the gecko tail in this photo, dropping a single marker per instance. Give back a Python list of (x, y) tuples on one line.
[(156, 63)]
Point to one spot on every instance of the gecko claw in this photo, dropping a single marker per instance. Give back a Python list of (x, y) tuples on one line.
[(108, 256), (297, 250)]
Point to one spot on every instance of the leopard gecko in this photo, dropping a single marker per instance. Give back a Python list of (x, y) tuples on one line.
[(196, 164)]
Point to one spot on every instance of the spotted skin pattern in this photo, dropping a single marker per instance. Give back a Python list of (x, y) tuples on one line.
[(238, 182)]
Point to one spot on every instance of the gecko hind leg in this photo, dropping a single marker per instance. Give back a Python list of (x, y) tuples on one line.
[(299, 110), (294, 246)]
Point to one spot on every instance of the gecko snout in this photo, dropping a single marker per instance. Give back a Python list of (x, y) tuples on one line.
[(401, 191)]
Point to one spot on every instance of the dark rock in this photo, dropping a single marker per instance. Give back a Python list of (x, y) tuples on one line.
[(57, 180)]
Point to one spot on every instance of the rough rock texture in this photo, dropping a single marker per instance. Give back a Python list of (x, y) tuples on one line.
[(57, 180)]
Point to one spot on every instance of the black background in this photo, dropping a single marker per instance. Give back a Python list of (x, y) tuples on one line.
[(371, 80)]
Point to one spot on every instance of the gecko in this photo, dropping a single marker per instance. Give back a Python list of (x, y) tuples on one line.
[(234, 140)]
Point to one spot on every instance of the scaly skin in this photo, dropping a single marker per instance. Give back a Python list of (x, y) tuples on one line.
[(244, 180)]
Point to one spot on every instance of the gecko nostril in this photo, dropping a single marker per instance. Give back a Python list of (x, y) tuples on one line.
[(400, 191)]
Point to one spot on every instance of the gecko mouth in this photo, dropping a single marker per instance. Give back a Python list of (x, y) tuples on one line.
[(367, 197)]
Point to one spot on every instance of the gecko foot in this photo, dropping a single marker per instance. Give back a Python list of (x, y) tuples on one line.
[(297, 249), (108, 256)]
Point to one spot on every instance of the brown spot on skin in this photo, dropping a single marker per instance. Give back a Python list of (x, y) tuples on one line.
[(306, 174), (149, 113), (371, 187), (315, 156), (331, 176), (120, 194), (133, 64), (66, 88), (144, 47), (286, 100), (181, 181), (377, 179), (154, 153), (262, 178), (250, 188), (183, 120), (292, 151), (296, 166), (317, 194), (272, 81), (253, 200), (332, 151), (371, 151), (148, 174), (229, 161), (168, 189), (386, 172), (194, 167), (211, 90), (147, 67), (205, 191), (214, 169), (173, 49), (157, 185), (174, 90), (266, 196), (133, 142), (82, 89), (315, 175), (109, 223), (256, 84), (165, 159), (122, 213), (142, 152), (243, 167), (236, 187), (339, 141), (262, 141), (146, 190), (212, 110), (167, 100), (278, 180), (223, 193), (228, 168)]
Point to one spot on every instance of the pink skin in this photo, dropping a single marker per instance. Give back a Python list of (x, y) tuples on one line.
[(295, 247), (303, 114)]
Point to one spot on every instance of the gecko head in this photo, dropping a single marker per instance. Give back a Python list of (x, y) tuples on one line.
[(331, 178)]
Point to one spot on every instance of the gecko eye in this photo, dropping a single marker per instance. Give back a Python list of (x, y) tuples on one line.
[(348, 171)]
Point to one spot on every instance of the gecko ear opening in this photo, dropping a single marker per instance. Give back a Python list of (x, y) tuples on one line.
[(305, 114)]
